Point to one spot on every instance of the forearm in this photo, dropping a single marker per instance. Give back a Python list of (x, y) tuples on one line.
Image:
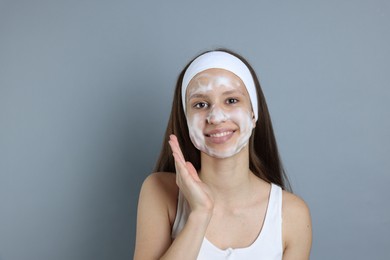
[(188, 242)]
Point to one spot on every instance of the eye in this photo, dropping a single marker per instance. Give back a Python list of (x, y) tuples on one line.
[(200, 105), (231, 100)]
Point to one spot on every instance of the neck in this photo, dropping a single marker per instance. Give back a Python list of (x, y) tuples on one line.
[(229, 179)]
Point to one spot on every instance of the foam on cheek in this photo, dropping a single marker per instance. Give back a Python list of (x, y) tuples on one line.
[(244, 120), (196, 133)]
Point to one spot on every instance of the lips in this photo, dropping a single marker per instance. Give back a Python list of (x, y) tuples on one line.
[(219, 136)]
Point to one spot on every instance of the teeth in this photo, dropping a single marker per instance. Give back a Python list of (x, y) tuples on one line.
[(220, 134)]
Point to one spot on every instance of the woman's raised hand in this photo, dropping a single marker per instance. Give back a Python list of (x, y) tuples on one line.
[(194, 190)]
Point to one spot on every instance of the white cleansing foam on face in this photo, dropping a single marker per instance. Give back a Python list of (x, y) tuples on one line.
[(239, 119)]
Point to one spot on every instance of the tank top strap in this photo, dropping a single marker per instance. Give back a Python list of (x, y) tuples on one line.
[(270, 237), (274, 210)]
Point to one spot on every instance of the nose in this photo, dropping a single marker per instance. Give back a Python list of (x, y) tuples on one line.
[(216, 115)]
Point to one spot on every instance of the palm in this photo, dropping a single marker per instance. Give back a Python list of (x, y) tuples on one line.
[(195, 191)]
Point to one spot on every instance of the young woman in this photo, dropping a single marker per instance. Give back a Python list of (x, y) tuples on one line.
[(219, 190)]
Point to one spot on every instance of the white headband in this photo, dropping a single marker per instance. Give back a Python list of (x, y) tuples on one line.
[(221, 60)]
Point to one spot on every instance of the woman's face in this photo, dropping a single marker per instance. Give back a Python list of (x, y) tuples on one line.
[(219, 113)]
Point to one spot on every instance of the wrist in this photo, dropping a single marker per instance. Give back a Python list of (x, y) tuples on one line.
[(200, 216)]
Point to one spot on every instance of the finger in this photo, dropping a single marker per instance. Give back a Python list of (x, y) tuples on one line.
[(180, 167), (183, 177), (179, 164), (176, 150), (176, 147), (192, 171), (177, 167)]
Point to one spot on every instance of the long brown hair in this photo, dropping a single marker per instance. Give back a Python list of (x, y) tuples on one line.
[(264, 159)]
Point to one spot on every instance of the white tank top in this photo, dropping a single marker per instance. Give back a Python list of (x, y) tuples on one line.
[(267, 246)]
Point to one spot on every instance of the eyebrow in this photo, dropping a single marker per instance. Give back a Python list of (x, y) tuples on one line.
[(229, 92), (226, 93), (196, 95)]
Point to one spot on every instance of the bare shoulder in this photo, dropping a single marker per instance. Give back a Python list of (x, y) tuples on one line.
[(161, 181), (297, 227), (155, 214), (294, 206), (161, 186)]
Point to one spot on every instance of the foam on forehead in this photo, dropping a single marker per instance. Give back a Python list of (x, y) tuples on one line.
[(221, 60)]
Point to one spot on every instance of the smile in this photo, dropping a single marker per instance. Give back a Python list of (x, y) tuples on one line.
[(220, 134)]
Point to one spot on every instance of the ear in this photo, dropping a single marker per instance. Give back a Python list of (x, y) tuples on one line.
[(253, 120)]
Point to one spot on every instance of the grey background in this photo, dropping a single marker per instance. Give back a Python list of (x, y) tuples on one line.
[(85, 94)]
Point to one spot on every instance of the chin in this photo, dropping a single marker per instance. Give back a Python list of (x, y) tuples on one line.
[(221, 154)]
